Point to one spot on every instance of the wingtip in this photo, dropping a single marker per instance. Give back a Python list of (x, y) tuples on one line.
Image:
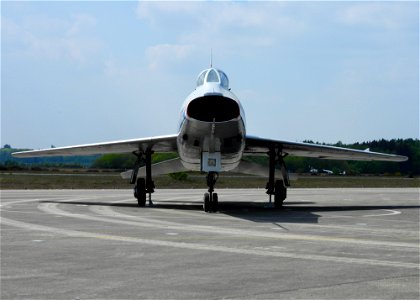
[(18, 154), (400, 158)]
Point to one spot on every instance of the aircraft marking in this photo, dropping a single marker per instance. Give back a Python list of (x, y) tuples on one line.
[(391, 213)]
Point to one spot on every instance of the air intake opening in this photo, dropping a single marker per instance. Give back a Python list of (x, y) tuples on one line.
[(211, 108)]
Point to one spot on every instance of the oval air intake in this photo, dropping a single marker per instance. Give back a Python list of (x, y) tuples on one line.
[(217, 108)]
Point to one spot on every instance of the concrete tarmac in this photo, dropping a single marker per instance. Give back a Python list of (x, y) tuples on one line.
[(97, 244)]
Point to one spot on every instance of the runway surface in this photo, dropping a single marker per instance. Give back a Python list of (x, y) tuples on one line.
[(97, 244)]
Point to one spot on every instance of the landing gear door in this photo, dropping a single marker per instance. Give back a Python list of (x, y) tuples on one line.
[(210, 162)]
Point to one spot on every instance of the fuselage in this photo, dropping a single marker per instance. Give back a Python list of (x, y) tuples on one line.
[(212, 125)]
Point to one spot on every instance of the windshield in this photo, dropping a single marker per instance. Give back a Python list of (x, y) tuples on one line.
[(200, 80), (213, 75)]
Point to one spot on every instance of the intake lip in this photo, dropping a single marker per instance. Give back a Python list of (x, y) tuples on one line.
[(213, 108)]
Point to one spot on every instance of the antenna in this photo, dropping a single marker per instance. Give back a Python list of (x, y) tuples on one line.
[(211, 57)]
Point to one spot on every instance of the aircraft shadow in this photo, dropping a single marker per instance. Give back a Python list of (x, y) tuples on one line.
[(292, 212), (256, 212)]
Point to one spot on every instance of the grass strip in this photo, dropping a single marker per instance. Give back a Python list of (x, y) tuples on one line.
[(35, 180)]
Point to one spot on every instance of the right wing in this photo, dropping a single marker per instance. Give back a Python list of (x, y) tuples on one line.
[(262, 145), (165, 143)]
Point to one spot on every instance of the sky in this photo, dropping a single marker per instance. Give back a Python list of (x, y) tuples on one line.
[(84, 72)]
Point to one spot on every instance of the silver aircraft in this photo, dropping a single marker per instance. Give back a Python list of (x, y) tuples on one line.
[(212, 139)]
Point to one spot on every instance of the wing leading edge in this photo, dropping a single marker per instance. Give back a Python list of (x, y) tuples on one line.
[(165, 143), (253, 145), (262, 145)]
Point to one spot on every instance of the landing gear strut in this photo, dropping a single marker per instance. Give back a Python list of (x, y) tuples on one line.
[(143, 186), (211, 201), (278, 188)]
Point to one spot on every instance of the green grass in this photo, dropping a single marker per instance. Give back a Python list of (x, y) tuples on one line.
[(76, 180)]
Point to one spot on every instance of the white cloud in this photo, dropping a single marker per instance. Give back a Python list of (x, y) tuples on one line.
[(49, 38), (222, 24), (218, 14), (389, 15), (150, 10), (80, 21), (164, 54)]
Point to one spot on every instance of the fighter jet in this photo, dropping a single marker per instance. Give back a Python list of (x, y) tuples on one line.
[(212, 139)]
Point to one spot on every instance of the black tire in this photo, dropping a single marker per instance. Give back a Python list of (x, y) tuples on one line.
[(215, 202), (140, 192), (280, 193), (207, 203)]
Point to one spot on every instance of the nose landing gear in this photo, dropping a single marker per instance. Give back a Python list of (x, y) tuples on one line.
[(211, 200)]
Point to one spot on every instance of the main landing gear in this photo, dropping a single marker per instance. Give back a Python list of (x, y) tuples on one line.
[(211, 201), (278, 188), (143, 185)]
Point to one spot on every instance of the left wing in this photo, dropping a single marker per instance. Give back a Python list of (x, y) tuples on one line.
[(165, 143), (261, 145)]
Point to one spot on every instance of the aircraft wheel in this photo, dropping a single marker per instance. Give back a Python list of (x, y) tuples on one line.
[(140, 192), (280, 193), (207, 203), (215, 203)]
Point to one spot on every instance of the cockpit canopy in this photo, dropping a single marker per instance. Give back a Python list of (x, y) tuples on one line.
[(213, 75)]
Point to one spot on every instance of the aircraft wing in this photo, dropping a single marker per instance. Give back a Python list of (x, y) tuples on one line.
[(159, 144), (261, 145)]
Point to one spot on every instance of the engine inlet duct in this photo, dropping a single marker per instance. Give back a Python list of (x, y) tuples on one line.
[(213, 108)]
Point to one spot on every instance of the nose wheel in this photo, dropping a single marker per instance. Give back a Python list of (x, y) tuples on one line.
[(211, 200)]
